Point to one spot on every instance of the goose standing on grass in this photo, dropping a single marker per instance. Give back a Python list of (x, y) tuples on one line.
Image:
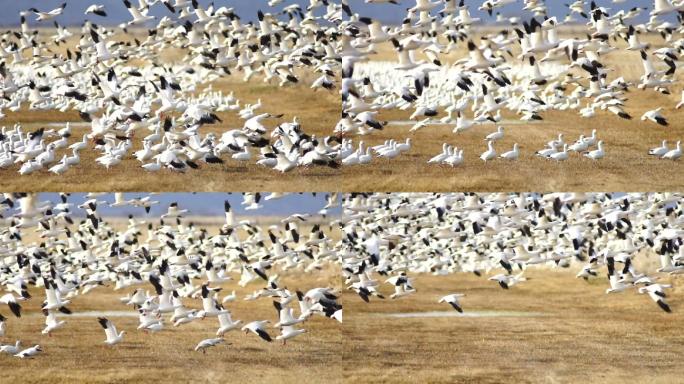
[(494, 136), (455, 159), (674, 154), (446, 152), (659, 151), (11, 349), (561, 155), (490, 153), (113, 337), (512, 154), (598, 153)]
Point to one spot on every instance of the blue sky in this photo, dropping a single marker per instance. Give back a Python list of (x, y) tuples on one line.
[(247, 9), (395, 13), (117, 13), (205, 204)]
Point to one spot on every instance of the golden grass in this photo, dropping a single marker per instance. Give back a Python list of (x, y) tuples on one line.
[(583, 336), (626, 166), (76, 352), (317, 110)]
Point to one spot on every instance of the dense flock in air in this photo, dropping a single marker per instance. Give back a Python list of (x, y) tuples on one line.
[(149, 83), (448, 71), (171, 270), (138, 104), (632, 243)]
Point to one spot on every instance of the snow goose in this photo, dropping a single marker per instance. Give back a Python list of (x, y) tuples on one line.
[(561, 155), (29, 352), (208, 343), (494, 136), (11, 302), (11, 349), (452, 299), (138, 16), (659, 151), (462, 123), (547, 152), (656, 293), (512, 154), (580, 145), (288, 332), (210, 306), (655, 116), (446, 152), (285, 316), (51, 322), (226, 323), (60, 167), (258, 328), (455, 159), (96, 9), (490, 153), (507, 281), (149, 321), (673, 154), (42, 16), (404, 147), (597, 153), (663, 7), (53, 301)]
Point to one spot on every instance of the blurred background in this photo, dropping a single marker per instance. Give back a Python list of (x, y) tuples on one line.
[(202, 204), (117, 12)]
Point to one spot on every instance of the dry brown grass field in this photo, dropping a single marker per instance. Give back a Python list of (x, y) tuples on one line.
[(317, 110), (76, 353), (626, 165), (573, 332)]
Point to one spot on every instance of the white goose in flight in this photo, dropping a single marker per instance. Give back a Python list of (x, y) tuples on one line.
[(453, 300), (113, 337)]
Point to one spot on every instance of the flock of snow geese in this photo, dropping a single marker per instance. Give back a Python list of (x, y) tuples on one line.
[(155, 82), (181, 263), (522, 66), (634, 242), (121, 84), (173, 271)]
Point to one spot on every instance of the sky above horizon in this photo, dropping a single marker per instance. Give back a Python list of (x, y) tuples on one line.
[(394, 13), (117, 13), (247, 9), (202, 204)]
